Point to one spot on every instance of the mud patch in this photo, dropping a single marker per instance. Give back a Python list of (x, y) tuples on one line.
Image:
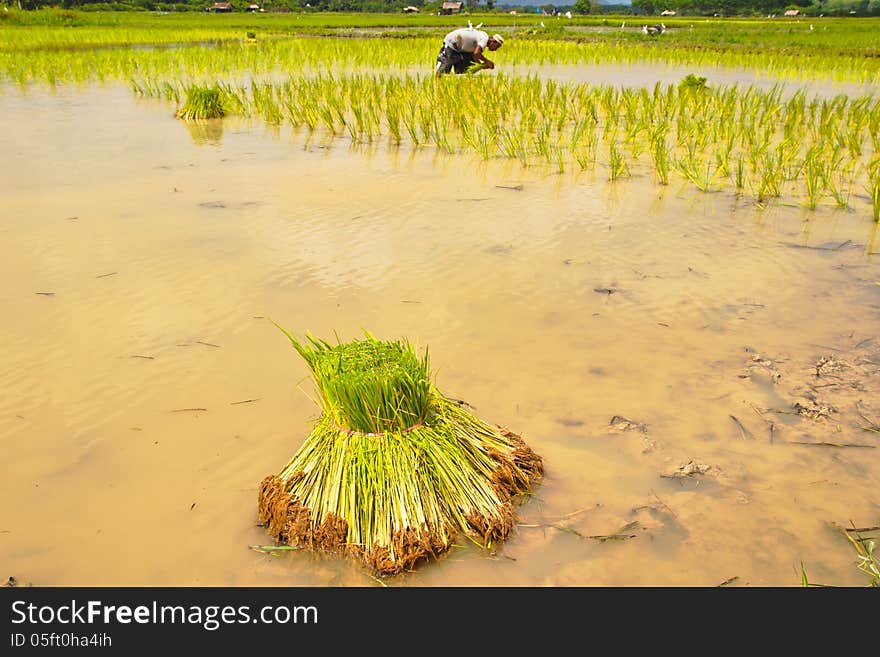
[(825, 394)]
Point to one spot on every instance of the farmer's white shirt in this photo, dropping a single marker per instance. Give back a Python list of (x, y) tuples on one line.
[(466, 39)]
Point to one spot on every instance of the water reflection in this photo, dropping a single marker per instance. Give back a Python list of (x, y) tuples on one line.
[(205, 132)]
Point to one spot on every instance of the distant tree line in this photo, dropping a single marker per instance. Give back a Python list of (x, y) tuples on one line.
[(374, 6), (758, 7), (582, 7)]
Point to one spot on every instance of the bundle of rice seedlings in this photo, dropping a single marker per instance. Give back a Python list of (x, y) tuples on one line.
[(202, 102), (474, 67), (393, 469)]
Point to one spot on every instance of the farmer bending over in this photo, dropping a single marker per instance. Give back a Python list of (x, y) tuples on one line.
[(465, 46)]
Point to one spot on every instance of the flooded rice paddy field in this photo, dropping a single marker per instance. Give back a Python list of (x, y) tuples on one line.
[(698, 373)]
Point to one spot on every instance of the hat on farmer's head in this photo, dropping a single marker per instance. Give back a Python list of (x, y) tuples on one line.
[(498, 38)]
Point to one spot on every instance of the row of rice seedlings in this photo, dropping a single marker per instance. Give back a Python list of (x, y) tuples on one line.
[(224, 56), (65, 39), (756, 142), (799, 64)]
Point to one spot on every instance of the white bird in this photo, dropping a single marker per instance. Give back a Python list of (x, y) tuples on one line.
[(568, 14), (811, 28), (542, 23)]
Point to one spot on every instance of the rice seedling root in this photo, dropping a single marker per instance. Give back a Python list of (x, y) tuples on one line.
[(291, 522)]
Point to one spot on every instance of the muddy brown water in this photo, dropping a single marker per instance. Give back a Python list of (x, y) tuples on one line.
[(141, 260)]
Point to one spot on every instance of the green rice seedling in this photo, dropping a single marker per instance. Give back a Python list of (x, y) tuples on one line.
[(273, 105), (592, 145), (873, 188), (661, 157), (361, 128), (769, 177), (393, 469), (235, 98), (794, 111), (426, 121), (328, 116), (202, 102), (699, 173), (629, 102), (740, 174), (757, 151), (411, 124), (874, 128), (837, 179), (144, 87), (352, 131), (636, 143), (813, 183), (440, 136), (541, 139), (172, 92), (530, 118), (392, 118), (813, 176), (583, 160), (577, 131), (583, 127), (513, 144), (481, 140), (617, 162), (563, 109), (722, 159), (854, 140), (560, 157), (310, 116), (790, 165), (337, 106)]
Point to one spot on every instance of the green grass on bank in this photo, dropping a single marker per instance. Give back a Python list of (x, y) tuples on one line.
[(53, 27)]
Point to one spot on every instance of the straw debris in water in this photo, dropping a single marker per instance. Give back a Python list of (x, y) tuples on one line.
[(393, 469)]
